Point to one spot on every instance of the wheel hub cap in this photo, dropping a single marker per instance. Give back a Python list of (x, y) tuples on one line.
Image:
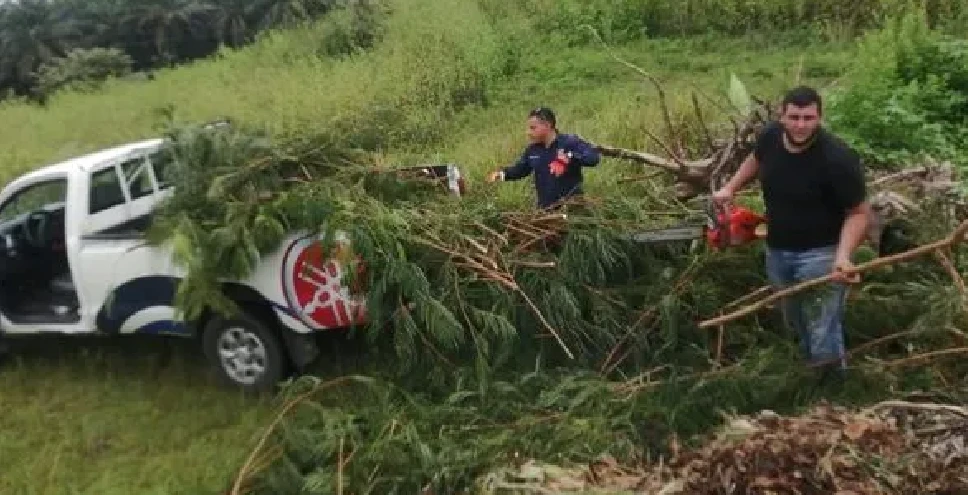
[(242, 355)]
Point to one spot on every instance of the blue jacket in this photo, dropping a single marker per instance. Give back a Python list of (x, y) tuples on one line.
[(537, 158)]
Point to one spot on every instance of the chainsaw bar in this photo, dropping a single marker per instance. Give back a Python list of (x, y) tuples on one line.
[(684, 233)]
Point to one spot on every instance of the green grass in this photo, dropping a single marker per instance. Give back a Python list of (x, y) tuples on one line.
[(102, 417), (112, 417), (130, 415)]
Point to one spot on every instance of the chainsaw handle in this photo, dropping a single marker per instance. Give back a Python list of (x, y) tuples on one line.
[(713, 210)]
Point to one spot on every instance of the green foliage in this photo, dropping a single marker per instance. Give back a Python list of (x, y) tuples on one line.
[(153, 33), (442, 443), (356, 26), (234, 204), (622, 20), (907, 97), (459, 347), (381, 437), (158, 33), (82, 70), (237, 196)]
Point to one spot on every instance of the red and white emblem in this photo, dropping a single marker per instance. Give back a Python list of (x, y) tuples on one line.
[(314, 290)]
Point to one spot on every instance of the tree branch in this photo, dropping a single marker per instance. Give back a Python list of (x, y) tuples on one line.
[(956, 277), (954, 238), (900, 404), (505, 279), (246, 469), (655, 82), (650, 159)]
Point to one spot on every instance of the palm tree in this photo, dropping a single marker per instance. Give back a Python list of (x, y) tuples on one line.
[(288, 13), (163, 26), (233, 21), (151, 32), (33, 32), (97, 20)]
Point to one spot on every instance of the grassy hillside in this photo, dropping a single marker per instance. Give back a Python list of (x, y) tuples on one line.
[(448, 81), (462, 99)]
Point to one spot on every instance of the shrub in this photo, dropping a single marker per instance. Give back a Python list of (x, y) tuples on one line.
[(356, 26), (82, 69), (907, 96), (621, 20), (403, 91)]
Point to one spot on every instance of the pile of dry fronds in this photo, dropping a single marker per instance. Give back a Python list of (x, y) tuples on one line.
[(893, 447)]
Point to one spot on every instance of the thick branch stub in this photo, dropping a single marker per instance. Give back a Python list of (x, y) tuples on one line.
[(692, 177), (692, 167)]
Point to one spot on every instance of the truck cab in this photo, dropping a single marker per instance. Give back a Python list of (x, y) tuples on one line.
[(74, 260), (71, 231)]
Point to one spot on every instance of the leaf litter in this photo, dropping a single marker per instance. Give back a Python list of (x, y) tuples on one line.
[(893, 447)]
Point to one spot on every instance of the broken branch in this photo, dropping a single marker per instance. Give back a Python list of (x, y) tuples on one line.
[(959, 281), (900, 404), (246, 470), (503, 278), (666, 115), (646, 158)]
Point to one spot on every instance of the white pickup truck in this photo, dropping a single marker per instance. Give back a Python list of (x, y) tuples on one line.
[(74, 260)]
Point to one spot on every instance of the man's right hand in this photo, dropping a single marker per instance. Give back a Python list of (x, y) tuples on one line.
[(723, 195), (494, 176)]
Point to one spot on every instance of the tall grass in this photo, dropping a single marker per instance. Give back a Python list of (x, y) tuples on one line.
[(399, 94), (433, 60), (622, 20)]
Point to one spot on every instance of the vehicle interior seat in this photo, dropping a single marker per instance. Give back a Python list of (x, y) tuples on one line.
[(63, 283)]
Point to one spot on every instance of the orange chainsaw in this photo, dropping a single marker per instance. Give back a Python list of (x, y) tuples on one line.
[(724, 227)]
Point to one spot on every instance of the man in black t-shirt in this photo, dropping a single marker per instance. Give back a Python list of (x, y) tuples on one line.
[(817, 213)]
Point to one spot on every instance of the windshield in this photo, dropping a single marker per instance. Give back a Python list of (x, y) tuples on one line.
[(33, 197)]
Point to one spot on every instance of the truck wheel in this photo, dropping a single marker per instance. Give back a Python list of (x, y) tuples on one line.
[(245, 351)]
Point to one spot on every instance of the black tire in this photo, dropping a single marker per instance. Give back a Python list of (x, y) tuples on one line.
[(259, 371)]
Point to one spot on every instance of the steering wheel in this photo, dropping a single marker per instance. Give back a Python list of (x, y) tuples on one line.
[(38, 238)]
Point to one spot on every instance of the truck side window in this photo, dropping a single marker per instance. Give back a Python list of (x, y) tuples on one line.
[(137, 178), (161, 161), (106, 190)]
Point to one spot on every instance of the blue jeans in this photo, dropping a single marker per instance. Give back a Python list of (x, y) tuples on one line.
[(815, 315)]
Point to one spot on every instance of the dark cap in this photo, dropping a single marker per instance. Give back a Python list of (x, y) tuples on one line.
[(545, 114)]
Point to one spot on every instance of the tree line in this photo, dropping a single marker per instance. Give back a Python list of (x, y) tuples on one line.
[(149, 33)]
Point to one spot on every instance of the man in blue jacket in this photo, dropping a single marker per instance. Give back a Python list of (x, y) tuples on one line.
[(555, 159)]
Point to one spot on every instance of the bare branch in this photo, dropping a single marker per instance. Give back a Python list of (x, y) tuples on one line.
[(702, 122), (655, 82), (650, 159)]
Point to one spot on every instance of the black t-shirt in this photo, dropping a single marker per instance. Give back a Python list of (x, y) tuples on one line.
[(807, 194)]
